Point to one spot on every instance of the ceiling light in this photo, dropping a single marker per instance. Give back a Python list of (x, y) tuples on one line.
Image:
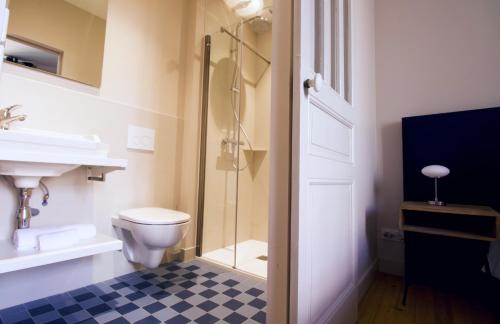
[(245, 8)]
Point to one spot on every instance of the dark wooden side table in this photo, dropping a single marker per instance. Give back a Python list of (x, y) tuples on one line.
[(477, 225)]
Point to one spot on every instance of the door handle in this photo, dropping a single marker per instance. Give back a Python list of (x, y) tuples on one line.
[(316, 83)]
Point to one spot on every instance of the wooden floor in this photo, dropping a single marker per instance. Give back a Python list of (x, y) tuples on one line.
[(382, 304)]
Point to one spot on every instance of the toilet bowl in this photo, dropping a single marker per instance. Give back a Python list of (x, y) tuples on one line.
[(147, 232)]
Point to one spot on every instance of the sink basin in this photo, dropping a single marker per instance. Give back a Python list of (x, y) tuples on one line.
[(28, 174), (35, 140), (29, 155)]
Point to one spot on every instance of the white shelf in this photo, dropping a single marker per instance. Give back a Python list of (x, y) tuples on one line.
[(12, 260)]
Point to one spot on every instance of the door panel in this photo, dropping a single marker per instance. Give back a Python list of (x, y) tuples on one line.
[(323, 288), (331, 249), (331, 135)]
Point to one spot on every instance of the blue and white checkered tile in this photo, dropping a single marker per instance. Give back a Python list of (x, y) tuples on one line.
[(189, 292)]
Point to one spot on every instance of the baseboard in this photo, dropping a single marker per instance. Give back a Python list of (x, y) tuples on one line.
[(393, 267), (367, 278), (344, 311), (188, 254)]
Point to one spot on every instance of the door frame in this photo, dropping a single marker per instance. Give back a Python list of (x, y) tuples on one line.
[(278, 269), (278, 281)]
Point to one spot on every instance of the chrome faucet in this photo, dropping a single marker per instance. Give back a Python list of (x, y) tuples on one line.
[(6, 117)]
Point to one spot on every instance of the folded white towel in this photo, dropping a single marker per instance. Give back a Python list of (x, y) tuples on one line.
[(27, 239), (57, 240)]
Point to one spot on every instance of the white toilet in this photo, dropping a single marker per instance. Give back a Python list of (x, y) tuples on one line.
[(147, 232)]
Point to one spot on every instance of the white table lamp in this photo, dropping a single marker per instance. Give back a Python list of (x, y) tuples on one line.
[(436, 172)]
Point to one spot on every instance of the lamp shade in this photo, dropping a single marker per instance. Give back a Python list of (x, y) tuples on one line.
[(435, 171)]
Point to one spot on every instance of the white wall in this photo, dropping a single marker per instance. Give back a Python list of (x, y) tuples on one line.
[(149, 95), (364, 101), (432, 56)]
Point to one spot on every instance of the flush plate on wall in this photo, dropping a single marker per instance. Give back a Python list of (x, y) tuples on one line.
[(141, 138)]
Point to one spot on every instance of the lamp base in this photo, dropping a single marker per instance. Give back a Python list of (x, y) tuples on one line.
[(436, 203)]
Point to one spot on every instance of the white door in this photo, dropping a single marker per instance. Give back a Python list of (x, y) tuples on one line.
[(323, 288), (4, 20)]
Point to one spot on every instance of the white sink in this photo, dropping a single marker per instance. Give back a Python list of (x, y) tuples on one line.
[(35, 140), (29, 155)]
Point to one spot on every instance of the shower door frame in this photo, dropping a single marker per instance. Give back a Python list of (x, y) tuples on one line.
[(207, 45)]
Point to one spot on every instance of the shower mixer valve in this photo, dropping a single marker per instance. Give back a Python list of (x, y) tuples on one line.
[(227, 141)]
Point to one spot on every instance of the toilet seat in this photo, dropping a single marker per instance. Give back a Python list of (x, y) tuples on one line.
[(154, 216)]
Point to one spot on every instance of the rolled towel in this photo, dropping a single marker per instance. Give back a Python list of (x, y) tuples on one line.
[(57, 240), (27, 239)]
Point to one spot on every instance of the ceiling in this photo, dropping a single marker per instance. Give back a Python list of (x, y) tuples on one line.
[(98, 8)]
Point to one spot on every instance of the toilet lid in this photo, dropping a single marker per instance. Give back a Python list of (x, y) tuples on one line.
[(154, 216)]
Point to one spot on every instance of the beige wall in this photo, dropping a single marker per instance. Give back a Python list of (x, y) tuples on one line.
[(151, 81), (262, 129), (62, 26), (192, 34), (149, 97), (432, 56)]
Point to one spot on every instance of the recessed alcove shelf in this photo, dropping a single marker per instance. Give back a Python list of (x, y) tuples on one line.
[(12, 260), (255, 157), (256, 149)]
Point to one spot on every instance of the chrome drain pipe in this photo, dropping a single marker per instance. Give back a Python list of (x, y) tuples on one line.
[(24, 210)]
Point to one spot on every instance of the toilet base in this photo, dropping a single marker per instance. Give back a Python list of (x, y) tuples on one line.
[(147, 244), (138, 253)]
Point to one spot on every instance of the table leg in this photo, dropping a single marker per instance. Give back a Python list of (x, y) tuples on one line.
[(405, 294)]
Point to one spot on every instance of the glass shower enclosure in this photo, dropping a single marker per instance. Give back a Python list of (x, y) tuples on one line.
[(233, 177)]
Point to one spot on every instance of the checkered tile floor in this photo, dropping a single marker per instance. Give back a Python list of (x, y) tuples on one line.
[(191, 292)]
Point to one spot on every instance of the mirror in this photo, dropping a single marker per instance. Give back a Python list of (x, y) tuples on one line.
[(60, 37)]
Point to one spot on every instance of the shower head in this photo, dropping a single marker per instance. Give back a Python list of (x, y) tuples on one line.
[(262, 22), (260, 25)]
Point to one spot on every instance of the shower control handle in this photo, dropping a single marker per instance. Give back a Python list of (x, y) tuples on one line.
[(316, 83), (227, 141)]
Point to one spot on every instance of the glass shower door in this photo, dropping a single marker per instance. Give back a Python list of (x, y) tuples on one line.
[(220, 197), (253, 195), (234, 172)]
